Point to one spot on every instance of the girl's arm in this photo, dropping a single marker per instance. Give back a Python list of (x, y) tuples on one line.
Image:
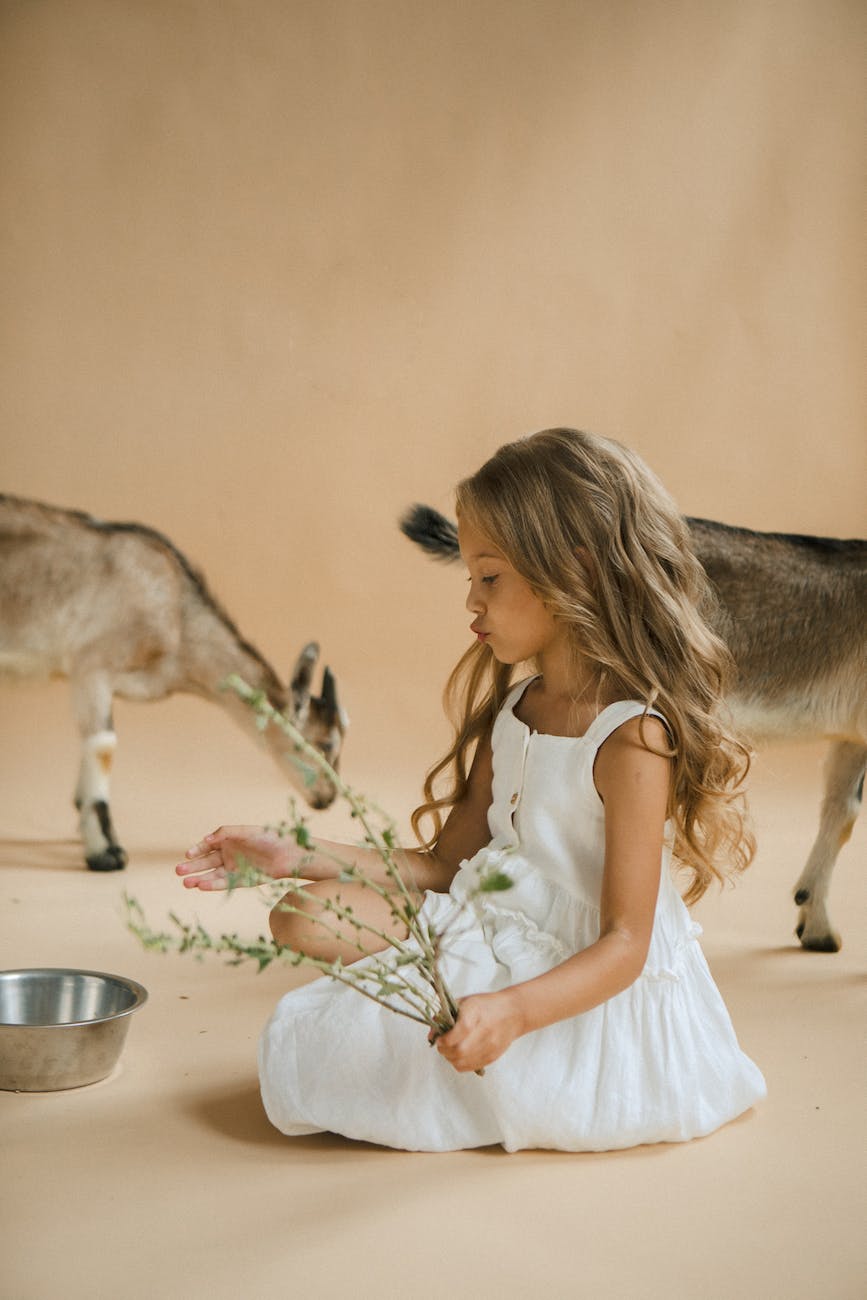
[(208, 864), (633, 784)]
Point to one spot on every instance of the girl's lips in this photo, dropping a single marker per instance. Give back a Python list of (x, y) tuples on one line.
[(482, 636)]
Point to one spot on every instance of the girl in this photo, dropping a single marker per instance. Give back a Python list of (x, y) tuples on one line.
[(582, 989)]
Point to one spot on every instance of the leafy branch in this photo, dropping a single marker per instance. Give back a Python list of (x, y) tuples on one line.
[(402, 974)]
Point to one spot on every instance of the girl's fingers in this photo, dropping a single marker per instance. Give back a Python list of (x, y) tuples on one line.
[(198, 851), (216, 880), (209, 842), (199, 862), (232, 833), (205, 864)]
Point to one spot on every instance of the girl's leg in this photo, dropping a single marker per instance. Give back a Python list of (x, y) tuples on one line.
[(329, 919)]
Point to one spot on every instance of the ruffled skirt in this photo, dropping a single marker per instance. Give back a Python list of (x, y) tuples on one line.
[(657, 1063)]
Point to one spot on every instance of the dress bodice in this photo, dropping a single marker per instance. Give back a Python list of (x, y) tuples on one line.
[(545, 804), (547, 825)]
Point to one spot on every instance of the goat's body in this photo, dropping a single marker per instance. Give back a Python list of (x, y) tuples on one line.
[(793, 611), (92, 569), (119, 611)]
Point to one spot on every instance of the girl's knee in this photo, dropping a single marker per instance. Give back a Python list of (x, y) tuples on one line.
[(327, 919), (293, 924)]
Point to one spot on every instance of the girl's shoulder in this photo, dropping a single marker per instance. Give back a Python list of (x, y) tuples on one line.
[(616, 715)]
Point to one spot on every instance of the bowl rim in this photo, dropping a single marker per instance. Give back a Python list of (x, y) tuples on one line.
[(139, 992)]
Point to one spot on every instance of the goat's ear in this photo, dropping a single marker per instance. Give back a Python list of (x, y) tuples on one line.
[(302, 675)]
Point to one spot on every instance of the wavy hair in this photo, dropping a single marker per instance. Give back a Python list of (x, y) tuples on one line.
[(594, 533)]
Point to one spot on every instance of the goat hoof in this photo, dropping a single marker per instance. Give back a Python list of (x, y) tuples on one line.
[(111, 859), (802, 896), (821, 942)]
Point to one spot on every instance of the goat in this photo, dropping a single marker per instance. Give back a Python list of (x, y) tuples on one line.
[(118, 610), (793, 611)]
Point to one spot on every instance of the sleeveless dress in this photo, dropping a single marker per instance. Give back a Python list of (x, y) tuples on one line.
[(658, 1062)]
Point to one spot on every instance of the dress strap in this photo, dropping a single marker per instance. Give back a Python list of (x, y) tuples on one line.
[(516, 692), (614, 716)]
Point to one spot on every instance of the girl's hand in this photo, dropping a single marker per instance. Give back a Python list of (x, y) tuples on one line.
[(487, 1023), (208, 864)]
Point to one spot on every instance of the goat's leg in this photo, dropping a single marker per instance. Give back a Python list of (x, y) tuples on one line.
[(92, 703), (844, 790)]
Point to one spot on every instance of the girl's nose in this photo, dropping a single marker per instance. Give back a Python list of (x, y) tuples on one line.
[(474, 604)]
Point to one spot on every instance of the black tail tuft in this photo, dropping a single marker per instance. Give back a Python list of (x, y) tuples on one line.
[(431, 531)]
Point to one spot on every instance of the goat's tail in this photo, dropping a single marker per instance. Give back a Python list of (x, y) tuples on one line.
[(431, 531)]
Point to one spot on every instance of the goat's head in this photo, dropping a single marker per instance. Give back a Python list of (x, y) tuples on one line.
[(319, 718)]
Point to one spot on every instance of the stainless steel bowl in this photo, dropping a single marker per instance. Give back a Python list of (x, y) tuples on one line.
[(62, 1028)]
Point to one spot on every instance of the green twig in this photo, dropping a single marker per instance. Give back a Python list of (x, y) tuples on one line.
[(409, 966)]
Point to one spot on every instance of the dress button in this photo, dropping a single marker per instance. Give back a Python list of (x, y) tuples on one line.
[(514, 798)]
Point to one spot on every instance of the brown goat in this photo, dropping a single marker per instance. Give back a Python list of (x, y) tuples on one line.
[(118, 610)]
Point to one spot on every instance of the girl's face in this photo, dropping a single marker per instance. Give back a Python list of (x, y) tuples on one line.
[(507, 614)]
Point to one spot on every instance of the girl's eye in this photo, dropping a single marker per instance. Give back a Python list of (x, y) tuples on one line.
[(490, 579)]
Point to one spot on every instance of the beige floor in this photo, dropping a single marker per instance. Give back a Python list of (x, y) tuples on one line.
[(166, 1179)]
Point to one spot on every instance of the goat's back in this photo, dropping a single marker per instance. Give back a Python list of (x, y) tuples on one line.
[(793, 610), (72, 587)]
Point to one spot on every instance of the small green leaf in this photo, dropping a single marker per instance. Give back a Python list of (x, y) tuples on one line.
[(495, 882)]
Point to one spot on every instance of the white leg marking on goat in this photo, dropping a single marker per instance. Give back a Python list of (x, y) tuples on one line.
[(94, 782)]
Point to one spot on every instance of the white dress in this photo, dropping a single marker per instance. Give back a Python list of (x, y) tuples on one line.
[(658, 1062)]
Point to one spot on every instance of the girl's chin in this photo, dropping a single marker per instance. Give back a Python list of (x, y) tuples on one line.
[(501, 656)]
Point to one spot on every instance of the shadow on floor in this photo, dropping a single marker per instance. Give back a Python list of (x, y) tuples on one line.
[(50, 855), (237, 1113)]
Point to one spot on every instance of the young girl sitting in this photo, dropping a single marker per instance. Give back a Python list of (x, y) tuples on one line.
[(583, 992)]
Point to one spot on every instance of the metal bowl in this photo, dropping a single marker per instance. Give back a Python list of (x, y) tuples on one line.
[(62, 1028)]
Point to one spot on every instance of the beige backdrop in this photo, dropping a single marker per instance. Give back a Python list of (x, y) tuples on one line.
[(274, 269)]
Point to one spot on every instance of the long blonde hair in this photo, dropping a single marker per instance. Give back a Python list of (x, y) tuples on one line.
[(592, 530)]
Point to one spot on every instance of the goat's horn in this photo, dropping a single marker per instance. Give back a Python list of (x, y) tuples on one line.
[(329, 695)]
